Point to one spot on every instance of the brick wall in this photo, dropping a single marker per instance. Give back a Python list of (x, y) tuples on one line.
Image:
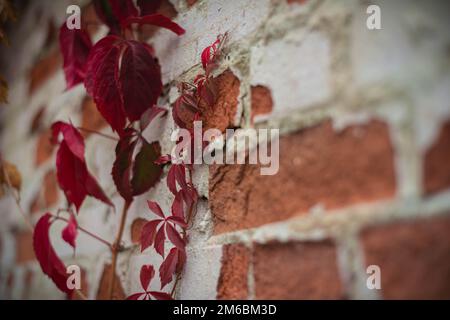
[(364, 173)]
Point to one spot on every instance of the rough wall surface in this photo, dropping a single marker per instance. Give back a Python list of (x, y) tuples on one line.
[(364, 168)]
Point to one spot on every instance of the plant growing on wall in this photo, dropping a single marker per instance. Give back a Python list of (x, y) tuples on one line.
[(123, 77)]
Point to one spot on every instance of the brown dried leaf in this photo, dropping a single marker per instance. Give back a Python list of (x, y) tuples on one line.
[(13, 177)]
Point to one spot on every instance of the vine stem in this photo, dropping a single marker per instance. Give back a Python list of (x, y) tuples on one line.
[(109, 245), (104, 135), (116, 246)]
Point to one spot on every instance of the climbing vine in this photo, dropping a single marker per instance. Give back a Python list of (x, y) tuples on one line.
[(122, 75)]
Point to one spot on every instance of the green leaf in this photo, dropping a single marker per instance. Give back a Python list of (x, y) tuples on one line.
[(145, 172)]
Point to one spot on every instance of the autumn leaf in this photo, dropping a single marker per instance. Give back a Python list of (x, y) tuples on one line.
[(170, 265), (148, 233), (145, 171), (123, 9), (69, 233), (155, 20), (135, 176), (9, 175), (72, 173), (75, 46), (124, 78), (146, 275), (49, 261), (148, 6)]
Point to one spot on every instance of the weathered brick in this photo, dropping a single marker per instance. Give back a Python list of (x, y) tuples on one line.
[(136, 228), (262, 103), (303, 67), (317, 166), (48, 195), (234, 273), (414, 258), (91, 118), (24, 247), (437, 163), (297, 271), (221, 115), (44, 69), (105, 284), (44, 147)]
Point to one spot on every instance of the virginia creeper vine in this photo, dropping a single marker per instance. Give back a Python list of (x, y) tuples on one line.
[(123, 77)]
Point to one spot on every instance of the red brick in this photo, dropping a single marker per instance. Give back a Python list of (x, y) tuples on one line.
[(44, 147), (136, 228), (317, 165), (44, 69), (91, 118), (222, 114), (36, 123), (105, 284), (437, 163), (48, 195), (24, 247), (262, 102), (297, 271), (234, 273), (414, 258)]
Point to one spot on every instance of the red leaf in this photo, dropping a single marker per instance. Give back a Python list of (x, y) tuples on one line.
[(149, 115), (122, 166), (135, 296), (160, 238), (102, 81), (178, 220), (51, 265), (209, 54), (69, 233), (94, 189), (72, 173), (140, 79), (104, 12), (156, 20), (160, 295), (190, 195), (175, 237), (123, 78), (147, 274), (168, 267), (154, 207), (123, 9), (180, 175), (72, 137), (148, 233), (177, 206), (148, 6), (75, 46), (74, 179), (171, 182), (145, 171), (134, 177), (164, 159)]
